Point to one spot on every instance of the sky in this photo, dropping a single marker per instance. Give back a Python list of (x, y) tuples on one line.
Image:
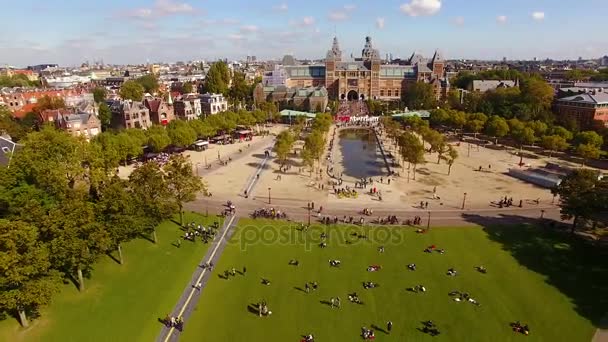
[(69, 32)]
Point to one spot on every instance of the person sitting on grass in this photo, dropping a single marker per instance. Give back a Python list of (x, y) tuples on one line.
[(334, 263), (481, 269), (411, 267), (369, 285), (354, 298), (294, 262), (451, 272), (308, 338), (374, 268), (323, 244), (420, 288), (265, 281)]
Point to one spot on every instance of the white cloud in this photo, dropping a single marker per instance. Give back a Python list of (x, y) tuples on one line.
[(337, 16), (249, 29), (380, 23), (171, 7), (236, 37), (281, 7), (538, 16), (458, 21), (418, 8), (161, 8), (308, 21), (342, 13), (501, 19)]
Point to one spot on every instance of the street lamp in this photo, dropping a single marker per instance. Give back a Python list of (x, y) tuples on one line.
[(428, 221), (464, 199), (542, 213), (269, 196), (197, 166), (309, 209)]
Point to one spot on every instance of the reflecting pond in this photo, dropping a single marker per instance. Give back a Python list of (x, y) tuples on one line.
[(360, 154)]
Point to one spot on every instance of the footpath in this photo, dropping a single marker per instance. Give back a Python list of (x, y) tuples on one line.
[(189, 298)]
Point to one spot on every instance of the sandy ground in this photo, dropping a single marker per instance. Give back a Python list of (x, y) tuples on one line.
[(297, 185)]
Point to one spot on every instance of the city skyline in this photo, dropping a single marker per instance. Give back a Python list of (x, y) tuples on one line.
[(171, 30)]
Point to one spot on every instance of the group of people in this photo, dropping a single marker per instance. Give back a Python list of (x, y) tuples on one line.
[(271, 213), (522, 329), (428, 327), (508, 201), (458, 296), (174, 322), (346, 192), (194, 230), (391, 219), (432, 248), (416, 221)]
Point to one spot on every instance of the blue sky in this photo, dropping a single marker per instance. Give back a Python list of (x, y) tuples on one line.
[(71, 31)]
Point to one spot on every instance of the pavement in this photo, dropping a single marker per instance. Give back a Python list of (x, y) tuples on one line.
[(190, 296)]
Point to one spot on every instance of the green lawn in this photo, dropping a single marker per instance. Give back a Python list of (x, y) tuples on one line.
[(558, 288), (120, 302)]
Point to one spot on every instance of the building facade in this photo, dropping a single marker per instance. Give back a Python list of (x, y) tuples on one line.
[(367, 77), (161, 112), (79, 124), (585, 108), (188, 107), (129, 114), (312, 99), (213, 103)]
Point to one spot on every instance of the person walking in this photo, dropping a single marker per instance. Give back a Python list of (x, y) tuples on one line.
[(389, 326)]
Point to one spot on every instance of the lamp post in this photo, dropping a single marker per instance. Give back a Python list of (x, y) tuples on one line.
[(269, 202), (309, 209), (542, 213), (428, 221), (464, 199), (206, 161), (197, 166)]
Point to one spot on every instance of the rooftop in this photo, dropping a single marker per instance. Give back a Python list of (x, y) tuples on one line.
[(589, 98)]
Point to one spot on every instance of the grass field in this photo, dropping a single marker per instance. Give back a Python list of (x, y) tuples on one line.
[(557, 287), (120, 302)]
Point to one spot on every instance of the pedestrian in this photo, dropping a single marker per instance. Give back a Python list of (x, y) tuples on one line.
[(312, 206), (381, 180), (435, 189), (521, 203), (426, 205), (389, 326), (389, 181)]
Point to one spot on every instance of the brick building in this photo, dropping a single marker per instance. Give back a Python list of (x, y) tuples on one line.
[(367, 77), (585, 108)]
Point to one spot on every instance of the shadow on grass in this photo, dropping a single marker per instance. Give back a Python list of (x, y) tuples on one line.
[(574, 266), (253, 308), (109, 254)]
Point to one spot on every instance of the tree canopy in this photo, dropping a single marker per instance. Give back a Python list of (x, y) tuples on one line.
[(132, 90)]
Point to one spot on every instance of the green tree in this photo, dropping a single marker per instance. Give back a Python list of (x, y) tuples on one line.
[(412, 150), (202, 128), (537, 93), (315, 144), (523, 136), (127, 146), (149, 83), (158, 138), (183, 185), (240, 90), (539, 127), (27, 280), (576, 192), (562, 132), (420, 95), (588, 138), (457, 119), (181, 133), (131, 90), (218, 78), (554, 143), (75, 237), (187, 88), (99, 94), (283, 146), (450, 157), (106, 146), (587, 151), (9, 125), (47, 102), (151, 196), (496, 127), (117, 212), (439, 117), (105, 116)]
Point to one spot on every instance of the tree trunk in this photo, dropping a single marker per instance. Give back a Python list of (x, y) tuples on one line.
[(80, 280), (23, 319), (414, 172), (120, 254), (438, 158), (154, 235), (181, 216), (495, 141), (521, 155), (573, 229), (449, 168)]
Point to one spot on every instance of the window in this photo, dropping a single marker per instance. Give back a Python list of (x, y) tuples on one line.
[(390, 93), (381, 92)]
